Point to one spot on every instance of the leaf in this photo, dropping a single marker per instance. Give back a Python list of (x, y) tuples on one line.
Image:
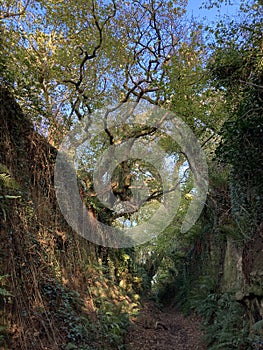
[(258, 326), (71, 346), (5, 293)]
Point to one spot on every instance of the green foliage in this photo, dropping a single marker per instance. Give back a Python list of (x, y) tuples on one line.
[(4, 293), (65, 306), (114, 295), (72, 346), (5, 297), (113, 323), (258, 327), (3, 336), (8, 189), (224, 320), (71, 65), (6, 180), (236, 65)]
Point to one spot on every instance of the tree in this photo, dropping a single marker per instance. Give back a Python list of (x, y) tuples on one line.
[(236, 65), (104, 51), (108, 52), (72, 65)]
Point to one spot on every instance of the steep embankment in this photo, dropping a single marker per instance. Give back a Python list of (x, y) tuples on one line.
[(54, 291)]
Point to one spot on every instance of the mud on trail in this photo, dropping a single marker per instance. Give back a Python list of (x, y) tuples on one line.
[(163, 330)]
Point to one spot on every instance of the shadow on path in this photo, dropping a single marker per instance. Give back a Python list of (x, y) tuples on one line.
[(163, 330)]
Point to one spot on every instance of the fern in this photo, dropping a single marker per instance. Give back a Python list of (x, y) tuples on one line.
[(223, 321), (5, 293), (6, 180), (258, 326), (226, 345)]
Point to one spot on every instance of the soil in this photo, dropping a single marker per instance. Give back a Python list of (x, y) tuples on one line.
[(154, 329)]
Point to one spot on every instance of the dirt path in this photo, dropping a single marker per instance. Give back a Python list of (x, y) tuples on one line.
[(163, 330)]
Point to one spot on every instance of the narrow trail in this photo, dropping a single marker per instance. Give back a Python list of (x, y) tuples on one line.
[(163, 330)]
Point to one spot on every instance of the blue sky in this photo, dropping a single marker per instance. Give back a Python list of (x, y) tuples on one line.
[(211, 15)]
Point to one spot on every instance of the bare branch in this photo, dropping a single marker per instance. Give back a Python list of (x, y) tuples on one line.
[(209, 138), (152, 51), (7, 14), (252, 84), (88, 57)]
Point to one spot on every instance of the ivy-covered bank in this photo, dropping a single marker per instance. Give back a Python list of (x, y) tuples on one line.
[(55, 290), (221, 276)]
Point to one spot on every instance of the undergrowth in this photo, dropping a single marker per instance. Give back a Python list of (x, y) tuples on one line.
[(224, 320)]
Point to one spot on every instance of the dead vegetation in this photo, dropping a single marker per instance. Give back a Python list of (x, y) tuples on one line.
[(164, 330), (51, 283)]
